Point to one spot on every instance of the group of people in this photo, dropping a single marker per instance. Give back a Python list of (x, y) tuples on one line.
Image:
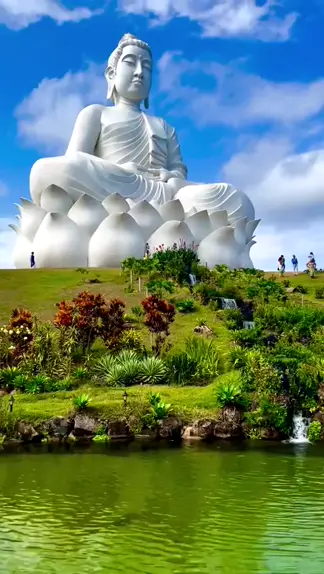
[(311, 264)]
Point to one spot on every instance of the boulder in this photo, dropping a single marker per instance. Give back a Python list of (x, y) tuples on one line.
[(229, 424), (85, 426), (27, 433), (119, 429), (170, 429), (59, 427)]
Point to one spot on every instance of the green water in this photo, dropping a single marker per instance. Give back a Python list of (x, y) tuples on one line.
[(229, 510)]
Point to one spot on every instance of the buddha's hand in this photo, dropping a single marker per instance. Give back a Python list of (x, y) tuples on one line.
[(161, 174)]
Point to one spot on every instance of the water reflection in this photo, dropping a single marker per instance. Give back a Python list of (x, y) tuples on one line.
[(251, 508)]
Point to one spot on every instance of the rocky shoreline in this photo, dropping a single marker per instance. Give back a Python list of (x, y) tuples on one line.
[(83, 428)]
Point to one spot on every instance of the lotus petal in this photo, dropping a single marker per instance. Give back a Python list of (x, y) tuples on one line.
[(172, 211), (115, 203), (55, 200), (131, 202), (147, 217), (246, 261), (87, 213), (250, 229), (31, 217), (169, 233), (240, 230), (218, 219), (60, 243), (215, 197), (117, 238), (22, 250), (220, 248), (191, 212), (199, 225)]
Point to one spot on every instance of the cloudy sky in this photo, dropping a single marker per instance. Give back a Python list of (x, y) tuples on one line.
[(241, 80)]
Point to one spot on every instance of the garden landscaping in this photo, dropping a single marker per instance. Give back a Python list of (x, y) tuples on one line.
[(101, 355)]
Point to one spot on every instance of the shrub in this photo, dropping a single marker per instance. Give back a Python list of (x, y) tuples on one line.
[(103, 366), (153, 371), (319, 293), (314, 431), (175, 263), (80, 374), (159, 315), (81, 402), (185, 305), (159, 409), (131, 339), (301, 289), (247, 338), (182, 369), (233, 319), (269, 414), (92, 317), (124, 374), (8, 376), (206, 293), (51, 352), (137, 311), (229, 394), (259, 374), (20, 328), (160, 287), (206, 356)]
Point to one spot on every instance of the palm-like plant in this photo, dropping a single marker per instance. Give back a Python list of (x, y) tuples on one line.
[(153, 371)]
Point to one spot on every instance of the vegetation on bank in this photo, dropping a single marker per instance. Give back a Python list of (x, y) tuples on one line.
[(78, 339)]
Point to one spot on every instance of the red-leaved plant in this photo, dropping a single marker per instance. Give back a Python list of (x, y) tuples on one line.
[(159, 314), (92, 317), (20, 330)]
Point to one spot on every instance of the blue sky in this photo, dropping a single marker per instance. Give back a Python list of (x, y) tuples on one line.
[(241, 80)]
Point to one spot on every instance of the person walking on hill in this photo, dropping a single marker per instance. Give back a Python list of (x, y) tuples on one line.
[(294, 262), (281, 264), (32, 260)]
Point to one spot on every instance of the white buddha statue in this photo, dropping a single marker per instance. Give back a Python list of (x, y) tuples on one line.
[(120, 149), (122, 177)]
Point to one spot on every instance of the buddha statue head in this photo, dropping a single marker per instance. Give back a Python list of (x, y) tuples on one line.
[(129, 71)]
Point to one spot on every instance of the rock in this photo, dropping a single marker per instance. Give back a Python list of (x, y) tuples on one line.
[(59, 427), (85, 426), (3, 393), (170, 429), (320, 393), (319, 417), (191, 433), (27, 433), (270, 434), (203, 330), (119, 429), (205, 429), (229, 425)]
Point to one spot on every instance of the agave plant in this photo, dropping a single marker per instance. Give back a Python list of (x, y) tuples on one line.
[(81, 402), (126, 355), (124, 374), (153, 371), (104, 365), (182, 369), (8, 375), (159, 409)]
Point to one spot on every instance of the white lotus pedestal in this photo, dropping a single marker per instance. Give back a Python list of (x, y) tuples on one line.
[(88, 233)]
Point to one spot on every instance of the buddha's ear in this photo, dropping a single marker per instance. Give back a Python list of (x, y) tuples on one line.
[(147, 103), (110, 77)]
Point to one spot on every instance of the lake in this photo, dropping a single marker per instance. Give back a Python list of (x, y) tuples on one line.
[(252, 508)]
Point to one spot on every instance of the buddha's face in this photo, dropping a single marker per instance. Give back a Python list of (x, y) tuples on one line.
[(133, 76)]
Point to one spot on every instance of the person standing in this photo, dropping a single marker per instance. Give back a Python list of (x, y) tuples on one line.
[(294, 262), (32, 260), (281, 264)]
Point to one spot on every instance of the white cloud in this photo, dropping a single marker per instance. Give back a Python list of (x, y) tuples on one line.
[(220, 18), (18, 14), (7, 243), (237, 98), (47, 115)]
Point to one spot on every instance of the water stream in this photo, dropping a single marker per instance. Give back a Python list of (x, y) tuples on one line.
[(300, 429), (228, 303)]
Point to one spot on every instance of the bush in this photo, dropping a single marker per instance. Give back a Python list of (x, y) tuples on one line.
[(229, 394), (124, 374), (137, 311), (319, 293), (314, 431), (159, 315), (247, 338), (185, 305), (206, 356), (153, 371), (300, 289), (207, 293), (233, 319), (132, 340), (81, 402), (182, 369), (269, 415)]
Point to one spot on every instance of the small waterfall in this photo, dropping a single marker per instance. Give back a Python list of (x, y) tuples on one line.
[(228, 303), (248, 324), (300, 429)]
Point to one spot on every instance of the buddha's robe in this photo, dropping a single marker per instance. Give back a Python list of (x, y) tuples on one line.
[(146, 141)]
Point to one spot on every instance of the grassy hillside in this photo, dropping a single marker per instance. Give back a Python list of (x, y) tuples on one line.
[(40, 289)]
